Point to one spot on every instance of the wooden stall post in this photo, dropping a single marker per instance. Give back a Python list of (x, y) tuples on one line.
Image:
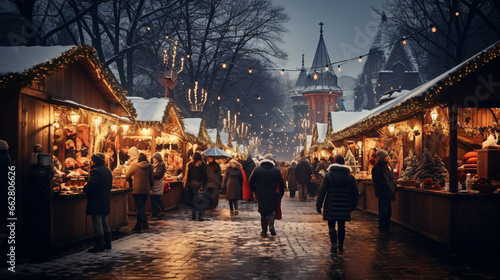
[(453, 116)]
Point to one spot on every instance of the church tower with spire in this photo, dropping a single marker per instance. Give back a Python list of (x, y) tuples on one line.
[(299, 102), (322, 90)]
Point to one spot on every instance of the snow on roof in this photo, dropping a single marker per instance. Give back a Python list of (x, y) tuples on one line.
[(104, 112), (322, 128), (152, 109), (212, 133), (192, 125), (21, 58), (343, 119)]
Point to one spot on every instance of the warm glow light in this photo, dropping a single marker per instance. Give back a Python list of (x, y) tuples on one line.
[(360, 59), (218, 97), (391, 128), (403, 40), (125, 127), (282, 71), (74, 117), (457, 14), (315, 76), (114, 127), (433, 28), (224, 65), (144, 130), (97, 121), (250, 70), (327, 68), (434, 115), (340, 69), (237, 99)]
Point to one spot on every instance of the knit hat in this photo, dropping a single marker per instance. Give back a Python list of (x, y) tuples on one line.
[(98, 158), (133, 151), (303, 159), (157, 156), (197, 156), (142, 157), (269, 157), (4, 146), (381, 154), (339, 159)]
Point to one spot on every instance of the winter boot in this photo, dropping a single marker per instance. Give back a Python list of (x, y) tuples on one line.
[(107, 240), (333, 240), (200, 216), (99, 244), (145, 225), (263, 223), (270, 221)]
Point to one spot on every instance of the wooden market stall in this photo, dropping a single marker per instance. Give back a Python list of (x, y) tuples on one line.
[(431, 132), (158, 128), (65, 100)]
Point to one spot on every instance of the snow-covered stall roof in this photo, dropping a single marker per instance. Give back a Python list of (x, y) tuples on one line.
[(212, 133), (400, 106), (322, 129), (21, 58), (192, 125), (149, 110), (342, 119)]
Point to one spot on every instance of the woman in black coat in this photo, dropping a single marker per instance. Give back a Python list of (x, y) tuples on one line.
[(233, 184), (195, 183), (339, 193), (98, 190), (265, 182)]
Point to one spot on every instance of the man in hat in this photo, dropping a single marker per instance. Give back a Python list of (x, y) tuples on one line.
[(265, 182), (98, 190), (303, 174), (385, 190)]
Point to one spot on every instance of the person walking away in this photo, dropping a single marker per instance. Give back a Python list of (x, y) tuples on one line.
[(142, 174), (263, 183), (303, 174), (233, 183), (284, 173), (248, 167), (214, 181), (292, 181), (98, 190), (338, 196), (157, 189), (195, 183), (385, 190)]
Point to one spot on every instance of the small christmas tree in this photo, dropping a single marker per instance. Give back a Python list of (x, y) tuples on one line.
[(410, 165), (431, 167), (351, 161)]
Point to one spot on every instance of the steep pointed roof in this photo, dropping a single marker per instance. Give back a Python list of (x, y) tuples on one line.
[(301, 83), (381, 39), (326, 79)]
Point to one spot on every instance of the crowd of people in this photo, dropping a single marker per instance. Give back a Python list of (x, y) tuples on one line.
[(260, 180)]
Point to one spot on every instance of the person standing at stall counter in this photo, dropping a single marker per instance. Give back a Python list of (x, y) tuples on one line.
[(385, 190), (142, 173), (157, 188), (98, 190)]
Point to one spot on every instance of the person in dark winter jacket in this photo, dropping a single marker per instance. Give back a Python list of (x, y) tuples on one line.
[(157, 189), (339, 196), (248, 167), (195, 183), (98, 190), (214, 181), (303, 174), (292, 181), (233, 183), (268, 185), (142, 173), (385, 190)]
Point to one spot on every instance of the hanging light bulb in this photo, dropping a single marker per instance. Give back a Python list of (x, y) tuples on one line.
[(433, 28), (250, 70), (282, 71), (327, 68), (340, 69), (403, 40), (224, 65), (218, 97), (238, 99), (360, 59), (74, 117), (315, 76), (125, 127), (457, 13), (391, 128), (434, 115)]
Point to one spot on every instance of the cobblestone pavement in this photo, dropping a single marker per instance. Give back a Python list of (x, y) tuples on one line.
[(230, 247)]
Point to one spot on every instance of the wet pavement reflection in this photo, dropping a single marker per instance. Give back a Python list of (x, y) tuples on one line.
[(228, 246)]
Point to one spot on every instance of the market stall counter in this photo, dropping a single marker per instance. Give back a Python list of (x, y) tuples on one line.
[(170, 200), (70, 223), (455, 219)]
